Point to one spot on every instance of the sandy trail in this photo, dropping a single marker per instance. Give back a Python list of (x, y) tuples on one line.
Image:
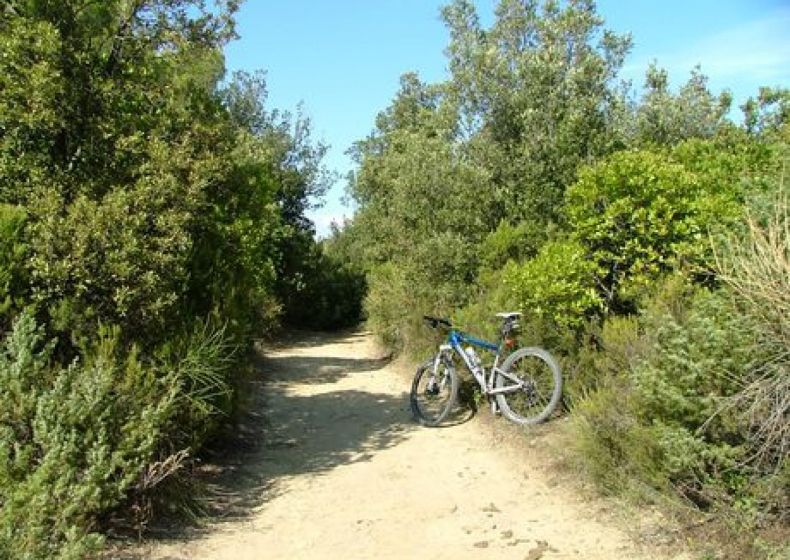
[(345, 473)]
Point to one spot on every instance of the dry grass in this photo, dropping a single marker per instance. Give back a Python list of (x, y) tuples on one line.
[(756, 267)]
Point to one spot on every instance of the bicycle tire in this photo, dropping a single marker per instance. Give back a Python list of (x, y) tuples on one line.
[(541, 369), (421, 396)]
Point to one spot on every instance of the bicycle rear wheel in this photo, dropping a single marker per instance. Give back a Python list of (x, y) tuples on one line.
[(534, 386), (433, 393)]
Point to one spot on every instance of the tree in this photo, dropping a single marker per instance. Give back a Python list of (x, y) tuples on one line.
[(534, 92), (665, 119)]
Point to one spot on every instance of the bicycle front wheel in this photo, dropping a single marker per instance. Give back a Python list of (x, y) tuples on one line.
[(530, 385), (433, 393)]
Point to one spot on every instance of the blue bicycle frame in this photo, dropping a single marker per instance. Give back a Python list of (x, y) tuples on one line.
[(521, 375), (455, 341)]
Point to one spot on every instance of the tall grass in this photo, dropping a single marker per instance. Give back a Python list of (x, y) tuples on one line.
[(756, 268)]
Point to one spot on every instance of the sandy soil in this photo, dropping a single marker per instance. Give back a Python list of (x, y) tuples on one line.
[(343, 472)]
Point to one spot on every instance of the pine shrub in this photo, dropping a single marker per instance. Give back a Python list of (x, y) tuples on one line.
[(73, 440)]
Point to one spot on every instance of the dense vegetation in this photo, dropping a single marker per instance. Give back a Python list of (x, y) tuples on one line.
[(152, 221), (152, 213), (645, 237)]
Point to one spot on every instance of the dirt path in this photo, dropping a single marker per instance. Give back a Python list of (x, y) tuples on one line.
[(345, 473)]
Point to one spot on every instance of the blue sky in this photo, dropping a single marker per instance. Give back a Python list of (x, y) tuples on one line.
[(341, 59)]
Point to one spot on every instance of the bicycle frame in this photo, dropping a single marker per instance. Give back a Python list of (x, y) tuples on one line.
[(514, 384), (485, 379)]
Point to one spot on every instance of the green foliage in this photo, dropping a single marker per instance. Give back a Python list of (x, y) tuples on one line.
[(611, 446), (493, 295), (533, 92), (384, 303), (73, 440), (461, 176), (656, 411), (769, 112), (606, 354), (122, 259), (200, 363), (331, 283), (756, 268), (558, 285), (154, 218), (680, 386), (664, 118), (13, 252), (640, 214), (511, 242)]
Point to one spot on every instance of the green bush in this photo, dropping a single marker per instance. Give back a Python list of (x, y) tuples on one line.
[(76, 441), (202, 364), (511, 242), (120, 260), (633, 212), (611, 446), (334, 286), (604, 354), (696, 364), (73, 440), (13, 255), (673, 372), (756, 268), (478, 316), (437, 278), (640, 214), (147, 212), (558, 285), (384, 304)]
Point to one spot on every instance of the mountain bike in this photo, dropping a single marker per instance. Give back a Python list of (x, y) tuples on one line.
[(526, 388)]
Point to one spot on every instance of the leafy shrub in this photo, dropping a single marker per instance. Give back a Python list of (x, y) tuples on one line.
[(479, 314), (76, 441), (384, 304), (73, 440), (437, 278), (640, 214), (146, 212), (610, 444), (680, 387), (511, 242), (120, 260), (604, 354), (672, 374), (201, 364), (558, 285), (13, 252), (334, 287)]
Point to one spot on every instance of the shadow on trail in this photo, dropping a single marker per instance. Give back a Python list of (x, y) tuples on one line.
[(316, 369), (285, 434), (326, 430), (308, 339)]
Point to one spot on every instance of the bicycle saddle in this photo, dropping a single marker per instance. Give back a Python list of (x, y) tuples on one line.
[(509, 315)]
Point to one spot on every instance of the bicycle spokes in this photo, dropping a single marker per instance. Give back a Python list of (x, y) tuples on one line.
[(433, 393), (433, 387), (527, 386)]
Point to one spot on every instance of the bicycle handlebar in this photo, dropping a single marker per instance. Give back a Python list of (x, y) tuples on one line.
[(434, 322)]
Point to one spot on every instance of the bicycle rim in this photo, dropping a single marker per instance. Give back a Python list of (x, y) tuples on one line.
[(537, 394), (433, 395)]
